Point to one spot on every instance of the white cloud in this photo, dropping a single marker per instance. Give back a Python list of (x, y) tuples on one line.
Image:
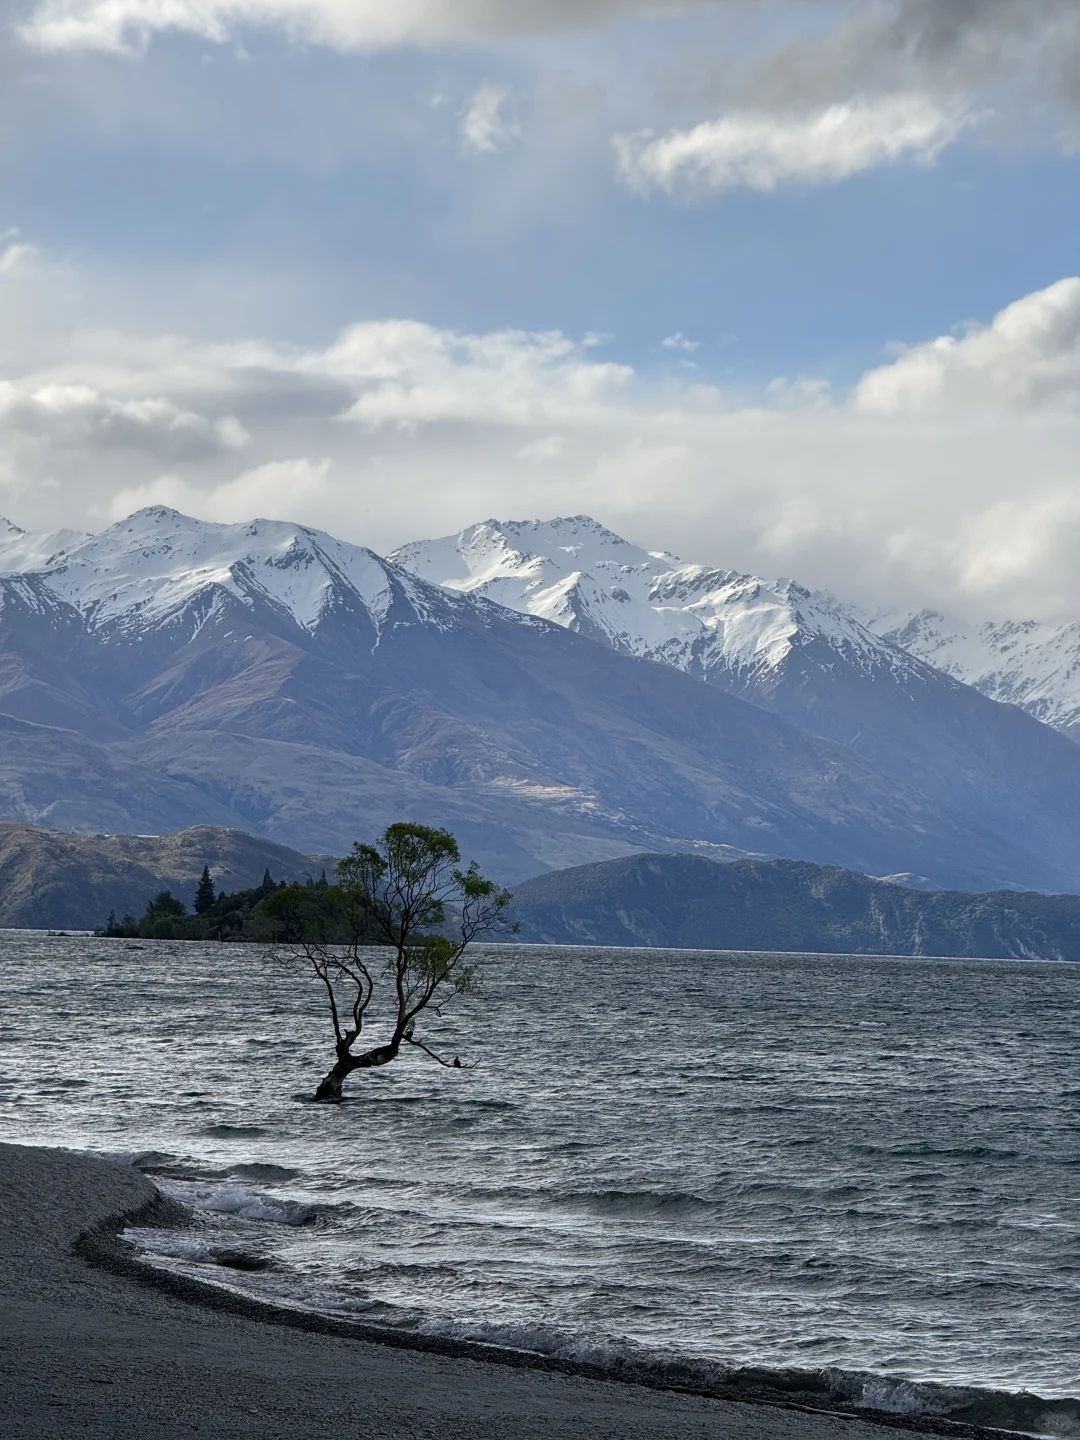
[(485, 125), (398, 429), (1027, 358), (550, 447), (805, 392), (15, 254), (678, 341), (406, 374), (758, 151), (345, 24), (278, 490), (78, 414)]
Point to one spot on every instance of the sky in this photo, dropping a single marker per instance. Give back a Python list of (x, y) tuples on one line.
[(787, 286)]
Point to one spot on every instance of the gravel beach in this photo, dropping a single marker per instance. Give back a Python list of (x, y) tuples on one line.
[(86, 1351)]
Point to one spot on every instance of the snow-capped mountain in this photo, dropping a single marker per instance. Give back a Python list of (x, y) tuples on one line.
[(146, 570), (1029, 663), (647, 603), (22, 550), (268, 676), (740, 629)]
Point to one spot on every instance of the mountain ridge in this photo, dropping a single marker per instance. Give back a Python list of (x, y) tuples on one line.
[(1030, 663)]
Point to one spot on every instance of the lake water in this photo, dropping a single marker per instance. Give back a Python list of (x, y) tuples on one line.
[(865, 1170)]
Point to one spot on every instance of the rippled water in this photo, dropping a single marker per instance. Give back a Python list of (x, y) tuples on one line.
[(861, 1167)]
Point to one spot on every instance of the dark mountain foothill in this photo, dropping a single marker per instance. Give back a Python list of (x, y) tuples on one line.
[(685, 902), (49, 879)]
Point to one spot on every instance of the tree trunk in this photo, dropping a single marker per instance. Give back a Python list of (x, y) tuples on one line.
[(329, 1091)]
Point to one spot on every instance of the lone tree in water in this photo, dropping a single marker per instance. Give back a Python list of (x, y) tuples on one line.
[(409, 896), (204, 893)]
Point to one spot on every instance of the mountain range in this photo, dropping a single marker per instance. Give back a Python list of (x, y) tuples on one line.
[(1030, 663), (552, 694), (55, 879)]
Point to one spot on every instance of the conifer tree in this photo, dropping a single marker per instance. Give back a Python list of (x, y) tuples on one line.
[(204, 894)]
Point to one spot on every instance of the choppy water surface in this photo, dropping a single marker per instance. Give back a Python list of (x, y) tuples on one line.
[(864, 1167)]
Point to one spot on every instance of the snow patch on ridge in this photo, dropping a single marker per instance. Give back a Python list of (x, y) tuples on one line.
[(20, 550), (1030, 663)]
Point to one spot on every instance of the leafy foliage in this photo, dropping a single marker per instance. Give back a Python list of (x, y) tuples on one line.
[(240, 916)]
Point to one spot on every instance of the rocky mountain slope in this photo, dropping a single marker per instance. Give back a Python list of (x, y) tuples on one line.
[(268, 677), (52, 879), (683, 901)]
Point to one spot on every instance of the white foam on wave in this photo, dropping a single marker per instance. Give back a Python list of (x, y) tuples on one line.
[(169, 1244), (240, 1200), (895, 1397)]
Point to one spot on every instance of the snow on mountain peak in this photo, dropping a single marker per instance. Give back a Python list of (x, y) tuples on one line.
[(146, 568), (21, 551), (649, 603), (571, 570), (1030, 663)]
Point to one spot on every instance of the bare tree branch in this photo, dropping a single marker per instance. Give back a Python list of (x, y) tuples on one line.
[(454, 1064)]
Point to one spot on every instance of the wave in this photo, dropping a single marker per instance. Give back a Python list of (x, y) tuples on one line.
[(266, 1173), (239, 1200), (826, 1389), (634, 1204), (233, 1132), (829, 1388), (631, 1204)]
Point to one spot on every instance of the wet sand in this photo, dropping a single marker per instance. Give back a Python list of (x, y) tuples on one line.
[(89, 1350)]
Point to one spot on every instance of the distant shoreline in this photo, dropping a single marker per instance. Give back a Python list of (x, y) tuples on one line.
[(518, 944)]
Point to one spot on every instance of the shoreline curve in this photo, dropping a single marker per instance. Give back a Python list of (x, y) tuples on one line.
[(64, 1211)]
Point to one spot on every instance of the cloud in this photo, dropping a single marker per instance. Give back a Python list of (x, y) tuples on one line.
[(804, 392), (398, 429), (764, 152), (678, 341), (120, 25), (406, 374), (15, 255), (550, 447), (278, 490), (76, 414), (1011, 52), (723, 57), (1028, 358), (485, 127)]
